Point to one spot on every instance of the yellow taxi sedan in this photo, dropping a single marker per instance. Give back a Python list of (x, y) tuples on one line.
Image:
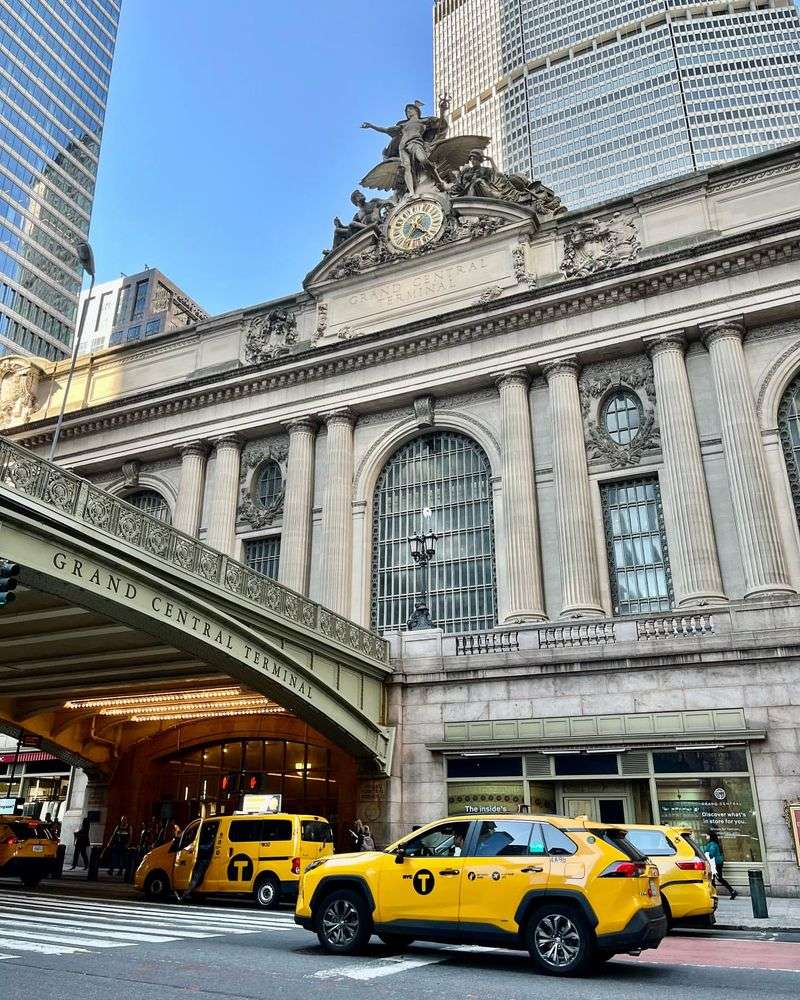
[(570, 892), (687, 890), (27, 850)]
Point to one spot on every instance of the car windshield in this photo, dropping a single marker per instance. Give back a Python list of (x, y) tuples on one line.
[(29, 831)]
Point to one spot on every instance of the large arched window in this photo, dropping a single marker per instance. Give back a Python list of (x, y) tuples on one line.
[(449, 476), (151, 503), (789, 427)]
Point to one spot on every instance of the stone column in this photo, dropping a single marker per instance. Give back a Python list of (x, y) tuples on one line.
[(189, 505), (225, 494), (693, 554), (580, 583), (763, 564), (337, 514), (523, 556), (294, 566)]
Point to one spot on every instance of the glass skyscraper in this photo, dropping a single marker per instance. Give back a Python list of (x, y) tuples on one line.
[(598, 98), (55, 65)]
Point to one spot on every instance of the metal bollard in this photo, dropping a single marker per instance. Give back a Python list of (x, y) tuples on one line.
[(758, 897), (94, 862), (131, 859)]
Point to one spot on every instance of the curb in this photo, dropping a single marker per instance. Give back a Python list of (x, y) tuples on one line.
[(777, 928)]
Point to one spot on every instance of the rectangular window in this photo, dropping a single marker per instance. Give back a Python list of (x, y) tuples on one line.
[(141, 298), (244, 831), (263, 555), (484, 767), (637, 547), (724, 805), (152, 327), (694, 761), (466, 798)]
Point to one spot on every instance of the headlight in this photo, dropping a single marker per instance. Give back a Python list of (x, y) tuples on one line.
[(315, 864)]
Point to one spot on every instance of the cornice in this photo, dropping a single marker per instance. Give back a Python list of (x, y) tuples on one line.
[(521, 311)]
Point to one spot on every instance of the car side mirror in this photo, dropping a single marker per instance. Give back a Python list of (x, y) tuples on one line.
[(400, 857)]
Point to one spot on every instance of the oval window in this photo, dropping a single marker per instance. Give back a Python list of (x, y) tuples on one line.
[(622, 417)]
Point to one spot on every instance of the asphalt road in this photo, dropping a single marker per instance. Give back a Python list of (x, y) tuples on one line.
[(80, 948)]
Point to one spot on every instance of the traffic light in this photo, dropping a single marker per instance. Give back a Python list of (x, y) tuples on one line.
[(8, 581)]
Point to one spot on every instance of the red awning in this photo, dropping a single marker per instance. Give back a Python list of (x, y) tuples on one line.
[(26, 757)]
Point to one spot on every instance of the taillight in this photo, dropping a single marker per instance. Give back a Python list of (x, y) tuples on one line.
[(625, 869), (692, 866), (9, 841), (295, 866)]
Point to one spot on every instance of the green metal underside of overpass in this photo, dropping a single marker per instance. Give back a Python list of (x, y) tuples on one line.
[(115, 601)]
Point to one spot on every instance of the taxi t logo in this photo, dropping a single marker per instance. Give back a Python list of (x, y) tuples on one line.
[(240, 868), (423, 882)]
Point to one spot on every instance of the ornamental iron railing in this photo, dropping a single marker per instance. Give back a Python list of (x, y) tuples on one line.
[(66, 493)]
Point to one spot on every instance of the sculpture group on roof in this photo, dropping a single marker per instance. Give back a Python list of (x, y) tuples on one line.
[(420, 159)]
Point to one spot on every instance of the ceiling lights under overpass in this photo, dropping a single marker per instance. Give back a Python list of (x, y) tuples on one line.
[(202, 703)]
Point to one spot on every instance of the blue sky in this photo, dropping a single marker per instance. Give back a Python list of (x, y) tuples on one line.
[(232, 135)]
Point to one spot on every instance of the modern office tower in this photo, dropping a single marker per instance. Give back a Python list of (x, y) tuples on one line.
[(135, 307), (599, 98), (55, 64)]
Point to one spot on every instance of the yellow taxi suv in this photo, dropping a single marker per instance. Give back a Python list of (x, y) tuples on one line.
[(27, 850), (253, 855), (570, 892), (687, 890)]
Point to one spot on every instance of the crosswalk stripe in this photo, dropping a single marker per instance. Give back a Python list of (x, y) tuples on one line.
[(4, 957), (41, 948), (130, 932), (376, 969), (79, 939)]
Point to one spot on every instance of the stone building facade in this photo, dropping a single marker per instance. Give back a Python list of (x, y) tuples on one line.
[(599, 415)]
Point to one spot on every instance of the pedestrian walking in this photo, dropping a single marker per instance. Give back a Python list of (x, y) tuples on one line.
[(118, 846), (368, 843), (357, 833), (205, 852), (145, 841), (713, 849), (82, 839)]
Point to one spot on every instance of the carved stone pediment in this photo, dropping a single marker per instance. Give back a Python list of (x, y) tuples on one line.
[(19, 382), (269, 335), (600, 244)]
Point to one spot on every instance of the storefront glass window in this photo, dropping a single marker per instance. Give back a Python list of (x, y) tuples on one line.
[(484, 767), (692, 761), (483, 797), (713, 803), (586, 763)]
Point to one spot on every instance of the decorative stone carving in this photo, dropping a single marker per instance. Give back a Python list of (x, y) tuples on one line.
[(519, 258), (322, 320), (19, 380), (480, 178), (269, 335), (489, 295), (423, 411), (599, 245), (130, 473), (370, 212), (251, 511), (594, 386)]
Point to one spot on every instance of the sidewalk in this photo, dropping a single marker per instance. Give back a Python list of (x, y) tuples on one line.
[(784, 914)]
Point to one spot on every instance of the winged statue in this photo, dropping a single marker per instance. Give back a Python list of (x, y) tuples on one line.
[(419, 151)]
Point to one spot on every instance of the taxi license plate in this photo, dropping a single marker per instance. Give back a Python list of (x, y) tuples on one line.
[(38, 849)]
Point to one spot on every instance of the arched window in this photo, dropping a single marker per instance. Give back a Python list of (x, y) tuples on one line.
[(789, 428), (151, 503), (441, 481), (269, 486), (622, 417)]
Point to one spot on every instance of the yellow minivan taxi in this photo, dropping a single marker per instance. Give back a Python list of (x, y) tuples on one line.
[(258, 855), (687, 890), (573, 893), (27, 850)]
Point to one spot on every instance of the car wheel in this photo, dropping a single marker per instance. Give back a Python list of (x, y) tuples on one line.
[(396, 942), (667, 913), (156, 886), (560, 941), (267, 892), (342, 923)]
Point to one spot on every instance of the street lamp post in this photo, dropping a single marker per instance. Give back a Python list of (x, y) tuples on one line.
[(86, 258), (423, 549)]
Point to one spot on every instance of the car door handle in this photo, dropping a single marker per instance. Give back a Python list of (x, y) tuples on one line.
[(532, 868), (450, 871)]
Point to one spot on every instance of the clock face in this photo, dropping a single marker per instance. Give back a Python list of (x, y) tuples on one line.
[(416, 225)]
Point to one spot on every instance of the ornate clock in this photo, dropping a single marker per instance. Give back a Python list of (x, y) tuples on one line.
[(415, 225)]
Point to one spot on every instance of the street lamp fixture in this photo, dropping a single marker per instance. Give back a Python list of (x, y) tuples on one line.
[(423, 549)]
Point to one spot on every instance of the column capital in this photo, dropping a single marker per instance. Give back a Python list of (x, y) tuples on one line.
[(309, 423), (568, 365), (342, 415), (230, 440), (723, 329), (668, 341), (512, 376), (199, 447)]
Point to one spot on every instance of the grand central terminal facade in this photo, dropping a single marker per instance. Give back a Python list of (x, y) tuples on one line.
[(596, 414)]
